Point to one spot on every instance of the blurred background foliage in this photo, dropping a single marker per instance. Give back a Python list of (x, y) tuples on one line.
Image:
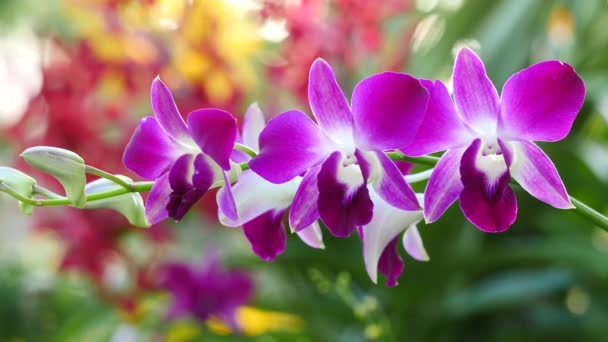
[(76, 74)]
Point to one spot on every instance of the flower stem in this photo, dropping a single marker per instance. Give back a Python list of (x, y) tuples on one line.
[(100, 173), (418, 177), (424, 160), (244, 166), (245, 149), (39, 190), (135, 187), (590, 214)]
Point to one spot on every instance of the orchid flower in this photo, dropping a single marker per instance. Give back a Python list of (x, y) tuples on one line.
[(488, 140), (261, 205), (208, 291), (344, 152), (380, 236), (184, 160)]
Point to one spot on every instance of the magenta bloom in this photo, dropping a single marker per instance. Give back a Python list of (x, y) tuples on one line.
[(207, 291), (261, 205), (184, 160), (341, 154), (488, 140)]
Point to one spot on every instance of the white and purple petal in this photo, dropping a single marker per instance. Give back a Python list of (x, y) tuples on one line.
[(541, 102), (386, 224), (442, 128), (344, 201), (412, 243), (166, 112), (214, 131), (328, 104), (304, 210), (290, 144), (388, 109), (312, 236), (253, 124), (535, 172), (474, 93), (254, 196), (486, 199), (225, 199), (150, 152), (266, 234), (444, 186)]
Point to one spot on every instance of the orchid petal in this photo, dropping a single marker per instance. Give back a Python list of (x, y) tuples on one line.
[(312, 236), (158, 198), (266, 234), (166, 112), (344, 201), (412, 242), (535, 172), (289, 145), (474, 94), (180, 175), (386, 223), (150, 152), (442, 128), (388, 109), (181, 178), (304, 210), (328, 103), (486, 200), (214, 131), (391, 263), (391, 185), (444, 186), (253, 124), (541, 102), (250, 204), (225, 200)]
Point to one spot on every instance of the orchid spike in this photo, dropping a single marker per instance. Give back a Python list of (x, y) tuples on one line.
[(343, 152), (185, 160), (489, 139)]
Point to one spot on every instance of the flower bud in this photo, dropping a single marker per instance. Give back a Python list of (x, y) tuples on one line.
[(66, 166), (130, 205)]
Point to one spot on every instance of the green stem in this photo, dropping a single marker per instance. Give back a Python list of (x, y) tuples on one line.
[(136, 187), (244, 166), (424, 160), (100, 173), (590, 214), (39, 190), (245, 149)]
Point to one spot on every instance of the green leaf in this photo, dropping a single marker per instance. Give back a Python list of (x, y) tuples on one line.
[(20, 182), (130, 205), (66, 166)]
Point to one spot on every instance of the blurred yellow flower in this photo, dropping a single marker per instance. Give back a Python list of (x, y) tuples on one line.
[(255, 322)]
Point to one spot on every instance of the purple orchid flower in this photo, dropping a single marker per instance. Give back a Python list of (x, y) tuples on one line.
[(488, 140), (343, 153), (184, 160), (261, 205), (207, 292), (380, 237)]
